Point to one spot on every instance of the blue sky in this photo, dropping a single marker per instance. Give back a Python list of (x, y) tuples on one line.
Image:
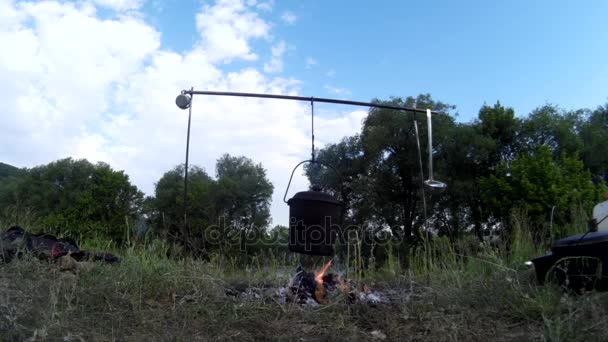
[(523, 53), (97, 79)]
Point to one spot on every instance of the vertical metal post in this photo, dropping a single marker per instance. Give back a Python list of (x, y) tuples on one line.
[(312, 127), (421, 173), (187, 153), (430, 135)]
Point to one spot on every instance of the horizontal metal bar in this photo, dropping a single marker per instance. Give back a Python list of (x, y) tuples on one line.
[(303, 98)]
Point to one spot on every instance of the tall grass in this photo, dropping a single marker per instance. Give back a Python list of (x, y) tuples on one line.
[(522, 243), (15, 215), (463, 290)]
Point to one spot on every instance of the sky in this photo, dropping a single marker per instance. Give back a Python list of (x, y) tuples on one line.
[(97, 79)]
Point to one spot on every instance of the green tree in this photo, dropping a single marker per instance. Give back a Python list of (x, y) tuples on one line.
[(220, 211), (552, 127), (537, 182), (499, 124), (244, 193), (184, 226), (11, 209), (380, 172), (76, 197), (474, 150), (466, 157), (7, 170), (389, 143), (594, 136)]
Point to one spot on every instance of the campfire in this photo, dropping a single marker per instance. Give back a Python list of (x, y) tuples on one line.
[(324, 287)]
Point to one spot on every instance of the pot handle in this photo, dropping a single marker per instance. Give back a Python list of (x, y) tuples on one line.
[(310, 161)]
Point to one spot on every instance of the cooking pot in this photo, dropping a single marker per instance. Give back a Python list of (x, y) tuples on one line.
[(314, 219)]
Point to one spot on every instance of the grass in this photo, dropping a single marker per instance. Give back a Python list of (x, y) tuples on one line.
[(446, 295), (148, 296)]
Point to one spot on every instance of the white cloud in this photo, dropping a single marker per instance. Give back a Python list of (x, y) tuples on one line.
[(276, 61), (55, 80), (265, 6), (337, 91), (311, 62), (75, 85), (226, 29), (120, 5), (331, 130), (330, 73), (289, 18)]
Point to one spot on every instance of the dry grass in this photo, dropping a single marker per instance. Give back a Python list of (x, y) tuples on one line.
[(148, 297), (481, 296)]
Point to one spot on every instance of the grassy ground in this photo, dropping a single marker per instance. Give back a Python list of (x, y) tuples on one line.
[(149, 297)]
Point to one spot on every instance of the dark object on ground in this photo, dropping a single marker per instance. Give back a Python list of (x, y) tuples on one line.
[(577, 263), (303, 286), (15, 241)]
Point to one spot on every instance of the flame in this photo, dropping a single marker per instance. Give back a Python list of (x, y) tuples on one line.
[(320, 289), (319, 275)]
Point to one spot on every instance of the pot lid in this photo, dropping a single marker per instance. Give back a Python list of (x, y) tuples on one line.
[(314, 195)]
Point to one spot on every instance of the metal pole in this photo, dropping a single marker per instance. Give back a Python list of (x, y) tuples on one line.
[(312, 129), (426, 219), (429, 133), (186, 170), (303, 98)]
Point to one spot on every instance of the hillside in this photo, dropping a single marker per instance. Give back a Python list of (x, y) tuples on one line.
[(7, 170)]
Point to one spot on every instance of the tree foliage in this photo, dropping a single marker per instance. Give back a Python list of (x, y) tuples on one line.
[(537, 183), (74, 198), (7, 170), (219, 211), (493, 165), (594, 135), (381, 166), (551, 127), (243, 193)]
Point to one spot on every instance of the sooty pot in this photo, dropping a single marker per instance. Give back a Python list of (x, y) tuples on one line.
[(314, 222)]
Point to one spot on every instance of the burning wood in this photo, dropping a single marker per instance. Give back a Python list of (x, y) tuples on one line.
[(323, 288)]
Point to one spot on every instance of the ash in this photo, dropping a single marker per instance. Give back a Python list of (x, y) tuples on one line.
[(306, 290)]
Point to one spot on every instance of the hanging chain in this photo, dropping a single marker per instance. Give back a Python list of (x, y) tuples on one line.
[(312, 129)]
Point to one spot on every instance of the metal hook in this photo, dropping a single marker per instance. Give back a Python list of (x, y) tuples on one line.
[(317, 162)]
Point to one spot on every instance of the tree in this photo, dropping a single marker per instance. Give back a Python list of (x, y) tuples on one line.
[(77, 198), (389, 143), (220, 211), (535, 182), (167, 208), (7, 170), (11, 209), (466, 157), (473, 151), (499, 124), (379, 168), (552, 127), (244, 193), (594, 136)]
